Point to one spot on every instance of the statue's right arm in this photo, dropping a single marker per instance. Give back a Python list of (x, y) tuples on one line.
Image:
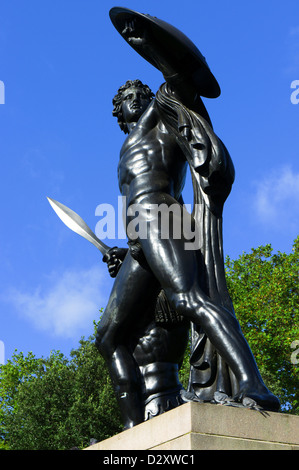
[(114, 259)]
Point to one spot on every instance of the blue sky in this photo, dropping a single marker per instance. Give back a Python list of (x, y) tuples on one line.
[(61, 64)]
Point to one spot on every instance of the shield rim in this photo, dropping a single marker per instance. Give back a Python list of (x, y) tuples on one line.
[(208, 85)]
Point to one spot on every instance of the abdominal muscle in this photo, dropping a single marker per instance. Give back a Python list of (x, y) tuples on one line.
[(146, 168)]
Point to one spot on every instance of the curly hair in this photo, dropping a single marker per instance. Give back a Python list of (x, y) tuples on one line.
[(117, 101)]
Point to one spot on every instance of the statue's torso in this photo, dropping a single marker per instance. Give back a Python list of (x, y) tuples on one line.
[(151, 160)]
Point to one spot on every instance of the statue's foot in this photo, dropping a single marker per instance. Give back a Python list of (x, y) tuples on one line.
[(259, 397), (130, 424), (188, 396)]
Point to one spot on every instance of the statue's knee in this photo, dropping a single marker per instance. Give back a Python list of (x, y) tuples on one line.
[(186, 304), (179, 302)]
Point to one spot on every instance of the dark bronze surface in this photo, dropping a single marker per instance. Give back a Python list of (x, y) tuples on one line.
[(164, 285)]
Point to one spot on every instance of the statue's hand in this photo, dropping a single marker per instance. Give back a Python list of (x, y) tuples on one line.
[(141, 39), (114, 258), (133, 34)]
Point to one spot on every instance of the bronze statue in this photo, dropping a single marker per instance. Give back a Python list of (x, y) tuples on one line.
[(166, 134)]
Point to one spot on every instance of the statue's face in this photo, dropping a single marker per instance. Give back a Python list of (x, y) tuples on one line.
[(134, 103)]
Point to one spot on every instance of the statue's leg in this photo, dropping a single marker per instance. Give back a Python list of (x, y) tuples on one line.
[(176, 269), (133, 295)]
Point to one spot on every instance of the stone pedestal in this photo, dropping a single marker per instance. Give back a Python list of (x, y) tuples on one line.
[(203, 426)]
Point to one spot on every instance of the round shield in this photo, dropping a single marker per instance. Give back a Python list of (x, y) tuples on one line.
[(166, 48)]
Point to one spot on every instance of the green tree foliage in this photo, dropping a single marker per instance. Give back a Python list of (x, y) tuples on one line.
[(57, 403), (265, 291), (16, 372), (60, 403)]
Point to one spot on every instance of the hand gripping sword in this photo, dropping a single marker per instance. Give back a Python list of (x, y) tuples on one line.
[(77, 224)]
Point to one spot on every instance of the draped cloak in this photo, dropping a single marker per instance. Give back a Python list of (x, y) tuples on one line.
[(212, 174)]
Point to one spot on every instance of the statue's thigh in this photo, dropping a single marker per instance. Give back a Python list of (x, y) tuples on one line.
[(173, 266), (133, 296)]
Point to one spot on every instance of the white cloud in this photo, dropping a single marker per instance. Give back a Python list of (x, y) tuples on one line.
[(276, 201), (68, 305)]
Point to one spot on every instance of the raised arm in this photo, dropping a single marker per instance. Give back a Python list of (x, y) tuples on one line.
[(170, 51)]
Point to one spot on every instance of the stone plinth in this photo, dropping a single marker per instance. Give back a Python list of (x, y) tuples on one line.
[(203, 426)]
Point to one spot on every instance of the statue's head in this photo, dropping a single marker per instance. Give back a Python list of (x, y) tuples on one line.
[(130, 102)]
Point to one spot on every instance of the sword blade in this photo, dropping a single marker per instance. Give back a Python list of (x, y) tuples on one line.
[(74, 222)]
